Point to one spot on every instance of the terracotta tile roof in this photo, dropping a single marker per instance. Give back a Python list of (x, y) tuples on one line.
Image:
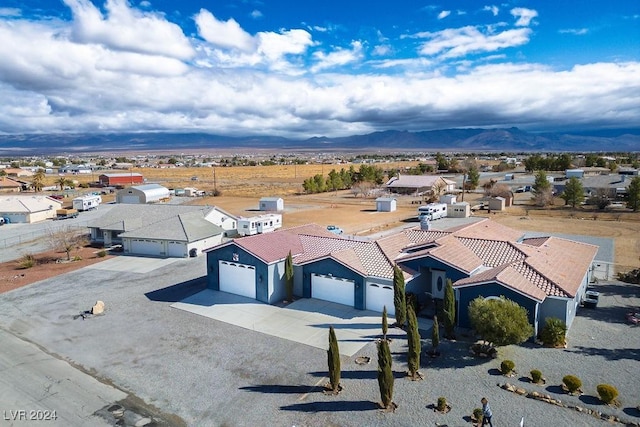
[(488, 229), (452, 251), (493, 253), (395, 245)]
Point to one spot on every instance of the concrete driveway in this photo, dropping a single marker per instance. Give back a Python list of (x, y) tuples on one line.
[(304, 321), (132, 264)]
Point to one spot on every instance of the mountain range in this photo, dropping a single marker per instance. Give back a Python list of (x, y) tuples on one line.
[(447, 140)]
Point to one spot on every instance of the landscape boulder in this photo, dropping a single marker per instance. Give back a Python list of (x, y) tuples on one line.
[(98, 308)]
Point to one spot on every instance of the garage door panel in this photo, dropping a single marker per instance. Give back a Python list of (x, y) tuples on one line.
[(147, 247), (238, 279), (379, 296), (176, 249), (333, 289)]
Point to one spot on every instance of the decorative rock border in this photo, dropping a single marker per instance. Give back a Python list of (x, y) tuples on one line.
[(543, 397)]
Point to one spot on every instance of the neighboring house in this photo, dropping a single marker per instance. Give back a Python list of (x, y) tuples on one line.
[(386, 204), (224, 220), (548, 276), (158, 230), (120, 179), (142, 194), (273, 204), (420, 184), (8, 185), (18, 172), (28, 208), (613, 186), (76, 169)]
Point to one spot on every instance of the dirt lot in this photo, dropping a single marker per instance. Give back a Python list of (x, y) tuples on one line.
[(48, 264)]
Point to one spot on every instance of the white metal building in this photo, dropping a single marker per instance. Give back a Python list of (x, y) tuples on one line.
[(459, 210), (142, 194), (386, 204)]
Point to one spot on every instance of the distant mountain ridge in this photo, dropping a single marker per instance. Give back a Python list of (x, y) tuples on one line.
[(471, 139)]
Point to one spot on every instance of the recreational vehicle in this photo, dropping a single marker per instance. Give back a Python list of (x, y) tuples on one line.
[(86, 203), (432, 211)]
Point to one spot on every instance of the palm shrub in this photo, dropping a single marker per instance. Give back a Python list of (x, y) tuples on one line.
[(554, 332), (333, 360), (507, 366), (27, 261), (572, 383), (536, 376), (607, 393)]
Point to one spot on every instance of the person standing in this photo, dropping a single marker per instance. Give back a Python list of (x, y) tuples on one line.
[(486, 412)]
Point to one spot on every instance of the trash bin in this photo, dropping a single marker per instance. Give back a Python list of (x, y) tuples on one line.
[(193, 253)]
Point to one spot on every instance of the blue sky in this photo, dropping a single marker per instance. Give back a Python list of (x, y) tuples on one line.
[(302, 69)]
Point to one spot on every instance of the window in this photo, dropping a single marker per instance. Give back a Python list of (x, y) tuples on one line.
[(439, 284)]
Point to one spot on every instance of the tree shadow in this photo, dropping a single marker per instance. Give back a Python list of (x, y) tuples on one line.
[(608, 353), (557, 389), (634, 412), (283, 389), (332, 406), (350, 375), (178, 292), (590, 400), (494, 372)]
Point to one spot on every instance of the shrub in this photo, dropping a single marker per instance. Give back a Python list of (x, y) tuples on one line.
[(77, 258), (554, 332), (27, 261), (442, 404), (607, 393), (507, 366), (478, 414), (572, 383), (536, 376), (102, 253)]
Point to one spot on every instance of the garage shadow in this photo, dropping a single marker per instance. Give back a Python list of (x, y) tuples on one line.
[(178, 292), (333, 406)]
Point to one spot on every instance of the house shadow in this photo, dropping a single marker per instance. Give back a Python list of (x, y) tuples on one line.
[(333, 406), (283, 389), (178, 292), (368, 210)]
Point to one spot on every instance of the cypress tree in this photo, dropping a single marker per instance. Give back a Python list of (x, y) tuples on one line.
[(288, 275), (385, 374), (399, 297), (435, 335), (385, 324), (333, 359), (413, 342), (449, 311)]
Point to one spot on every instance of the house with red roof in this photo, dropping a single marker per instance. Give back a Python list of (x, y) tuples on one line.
[(547, 276)]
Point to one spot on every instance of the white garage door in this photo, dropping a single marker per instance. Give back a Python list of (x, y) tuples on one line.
[(333, 289), (239, 279), (177, 249), (147, 247), (133, 200), (379, 296)]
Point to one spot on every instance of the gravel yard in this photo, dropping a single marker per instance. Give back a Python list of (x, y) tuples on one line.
[(211, 373)]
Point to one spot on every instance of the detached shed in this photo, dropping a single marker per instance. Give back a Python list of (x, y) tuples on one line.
[(274, 204), (142, 194), (386, 204), (459, 210), (497, 204)]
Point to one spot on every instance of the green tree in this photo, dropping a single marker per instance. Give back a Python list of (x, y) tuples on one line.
[(333, 360), (633, 194), (385, 323), (541, 189), (413, 342), (385, 375), (62, 182), (435, 335), (399, 297), (288, 276), (473, 179), (500, 321), (573, 193), (449, 310), (38, 181)]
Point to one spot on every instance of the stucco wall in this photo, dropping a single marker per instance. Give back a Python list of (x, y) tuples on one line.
[(328, 266)]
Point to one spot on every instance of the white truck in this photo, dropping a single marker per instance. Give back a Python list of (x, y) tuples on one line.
[(86, 203), (432, 211)]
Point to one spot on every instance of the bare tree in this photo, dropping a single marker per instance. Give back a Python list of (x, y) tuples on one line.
[(66, 239)]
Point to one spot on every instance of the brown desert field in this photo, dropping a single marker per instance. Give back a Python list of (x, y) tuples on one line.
[(241, 187)]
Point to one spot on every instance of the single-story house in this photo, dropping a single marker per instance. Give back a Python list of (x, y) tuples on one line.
[(273, 204), (142, 194), (613, 186), (386, 204), (18, 172), (223, 219), (158, 230), (547, 276), (120, 179), (28, 208), (8, 185), (420, 184)]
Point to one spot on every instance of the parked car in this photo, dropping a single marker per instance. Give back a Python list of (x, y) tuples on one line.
[(334, 229)]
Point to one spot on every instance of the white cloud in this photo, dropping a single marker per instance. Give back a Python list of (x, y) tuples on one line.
[(457, 42), (574, 31), (225, 34), (128, 29), (493, 9), (337, 57), (523, 15), (256, 14), (145, 3), (444, 14), (12, 12), (382, 50)]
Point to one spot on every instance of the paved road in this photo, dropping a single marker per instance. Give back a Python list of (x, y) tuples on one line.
[(37, 387)]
